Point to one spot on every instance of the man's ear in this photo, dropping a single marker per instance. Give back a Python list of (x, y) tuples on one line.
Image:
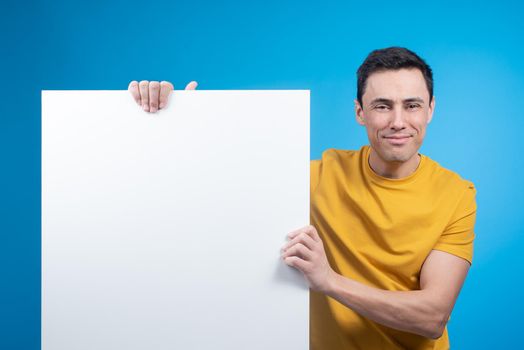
[(431, 109), (359, 113)]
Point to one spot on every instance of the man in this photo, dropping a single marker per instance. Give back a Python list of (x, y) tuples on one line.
[(391, 235)]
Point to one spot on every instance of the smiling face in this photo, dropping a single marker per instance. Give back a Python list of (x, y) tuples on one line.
[(395, 111)]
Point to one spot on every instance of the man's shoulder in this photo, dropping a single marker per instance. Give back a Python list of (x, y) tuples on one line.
[(334, 155), (446, 178)]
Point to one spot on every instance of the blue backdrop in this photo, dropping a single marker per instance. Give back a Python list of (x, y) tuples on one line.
[(474, 48)]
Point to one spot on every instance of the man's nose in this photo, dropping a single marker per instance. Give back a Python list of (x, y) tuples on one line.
[(397, 121)]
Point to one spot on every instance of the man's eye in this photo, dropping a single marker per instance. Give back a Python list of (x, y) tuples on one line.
[(413, 106), (381, 107)]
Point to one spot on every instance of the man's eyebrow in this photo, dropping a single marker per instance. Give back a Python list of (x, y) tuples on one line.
[(390, 102), (413, 99), (381, 100)]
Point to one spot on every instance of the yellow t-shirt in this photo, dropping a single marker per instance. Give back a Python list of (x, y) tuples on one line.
[(379, 231)]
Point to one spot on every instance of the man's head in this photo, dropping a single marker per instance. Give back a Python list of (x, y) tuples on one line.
[(394, 102)]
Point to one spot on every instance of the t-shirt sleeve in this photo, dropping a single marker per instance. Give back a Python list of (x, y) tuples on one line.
[(458, 235), (314, 177)]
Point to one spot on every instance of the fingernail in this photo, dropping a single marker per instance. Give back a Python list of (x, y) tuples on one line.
[(161, 105), (146, 108)]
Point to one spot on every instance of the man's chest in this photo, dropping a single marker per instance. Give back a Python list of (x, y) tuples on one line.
[(379, 231)]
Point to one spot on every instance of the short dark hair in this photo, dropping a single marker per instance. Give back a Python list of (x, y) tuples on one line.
[(392, 58)]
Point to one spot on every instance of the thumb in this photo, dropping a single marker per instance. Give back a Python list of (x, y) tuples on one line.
[(192, 85)]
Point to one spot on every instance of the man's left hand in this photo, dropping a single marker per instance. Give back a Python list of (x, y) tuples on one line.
[(305, 251)]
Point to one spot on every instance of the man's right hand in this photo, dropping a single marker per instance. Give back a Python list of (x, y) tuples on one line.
[(154, 95)]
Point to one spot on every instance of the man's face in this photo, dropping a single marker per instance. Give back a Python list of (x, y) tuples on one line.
[(395, 111)]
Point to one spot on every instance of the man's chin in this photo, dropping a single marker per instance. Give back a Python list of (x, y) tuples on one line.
[(397, 157)]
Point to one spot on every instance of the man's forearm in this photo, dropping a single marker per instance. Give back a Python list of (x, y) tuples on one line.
[(411, 311)]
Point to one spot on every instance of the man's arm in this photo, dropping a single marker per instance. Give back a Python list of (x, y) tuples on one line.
[(424, 312)]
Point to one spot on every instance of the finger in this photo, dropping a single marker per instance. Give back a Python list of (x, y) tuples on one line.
[(165, 89), (295, 233), (192, 85), (303, 238), (310, 230), (133, 89), (297, 263), (299, 250), (143, 87), (154, 92)]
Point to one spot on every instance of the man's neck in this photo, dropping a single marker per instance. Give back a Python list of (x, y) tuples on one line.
[(393, 170)]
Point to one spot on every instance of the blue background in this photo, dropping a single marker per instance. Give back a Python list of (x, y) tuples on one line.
[(474, 48)]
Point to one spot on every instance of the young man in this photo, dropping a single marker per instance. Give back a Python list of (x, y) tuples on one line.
[(391, 235)]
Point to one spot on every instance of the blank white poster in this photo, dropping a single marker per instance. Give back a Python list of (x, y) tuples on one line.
[(163, 231)]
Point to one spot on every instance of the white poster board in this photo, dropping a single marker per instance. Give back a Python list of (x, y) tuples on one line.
[(163, 231)]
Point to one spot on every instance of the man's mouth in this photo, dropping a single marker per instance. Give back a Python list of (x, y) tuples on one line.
[(398, 139)]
